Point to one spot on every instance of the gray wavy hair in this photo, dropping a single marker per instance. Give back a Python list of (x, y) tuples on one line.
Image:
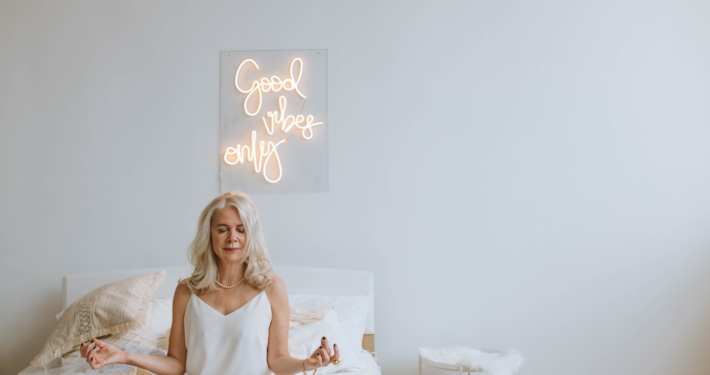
[(259, 268)]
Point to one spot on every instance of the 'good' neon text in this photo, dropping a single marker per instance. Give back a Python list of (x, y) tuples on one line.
[(265, 84)]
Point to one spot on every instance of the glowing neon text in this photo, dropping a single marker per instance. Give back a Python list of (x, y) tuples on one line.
[(269, 84), (265, 157), (269, 151), (288, 122)]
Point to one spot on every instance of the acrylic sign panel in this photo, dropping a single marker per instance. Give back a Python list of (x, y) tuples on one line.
[(274, 121)]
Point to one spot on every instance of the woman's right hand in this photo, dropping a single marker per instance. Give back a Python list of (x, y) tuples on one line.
[(99, 353), (323, 356)]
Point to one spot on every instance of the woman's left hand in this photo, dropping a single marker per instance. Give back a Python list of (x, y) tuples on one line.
[(324, 355)]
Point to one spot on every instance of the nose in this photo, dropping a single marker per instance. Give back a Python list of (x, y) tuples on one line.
[(233, 236)]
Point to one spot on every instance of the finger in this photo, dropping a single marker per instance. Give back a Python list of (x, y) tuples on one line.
[(326, 345), (326, 357), (85, 347), (96, 361), (100, 343), (88, 346), (320, 359), (336, 353)]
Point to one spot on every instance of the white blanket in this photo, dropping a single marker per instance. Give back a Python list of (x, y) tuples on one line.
[(137, 341), (73, 364)]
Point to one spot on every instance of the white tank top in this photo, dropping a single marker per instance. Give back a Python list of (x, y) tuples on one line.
[(233, 344)]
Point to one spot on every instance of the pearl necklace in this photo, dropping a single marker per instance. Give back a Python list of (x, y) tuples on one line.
[(230, 286)]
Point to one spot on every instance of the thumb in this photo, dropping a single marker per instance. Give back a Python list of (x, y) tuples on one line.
[(100, 343)]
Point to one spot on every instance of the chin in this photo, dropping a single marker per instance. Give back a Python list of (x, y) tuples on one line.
[(233, 258)]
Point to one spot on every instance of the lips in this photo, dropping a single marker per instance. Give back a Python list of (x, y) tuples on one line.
[(231, 248)]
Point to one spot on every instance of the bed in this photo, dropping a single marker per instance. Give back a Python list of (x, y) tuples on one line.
[(308, 287)]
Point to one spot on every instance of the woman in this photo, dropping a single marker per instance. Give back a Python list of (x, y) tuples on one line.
[(231, 316)]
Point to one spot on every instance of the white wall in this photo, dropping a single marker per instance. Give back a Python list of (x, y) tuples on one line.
[(530, 174)]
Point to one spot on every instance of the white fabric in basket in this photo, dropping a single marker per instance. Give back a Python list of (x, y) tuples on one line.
[(507, 362)]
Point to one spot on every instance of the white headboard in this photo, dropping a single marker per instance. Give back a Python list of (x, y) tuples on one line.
[(299, 280)]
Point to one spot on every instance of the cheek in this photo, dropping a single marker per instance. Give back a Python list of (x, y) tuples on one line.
[(216, 238)]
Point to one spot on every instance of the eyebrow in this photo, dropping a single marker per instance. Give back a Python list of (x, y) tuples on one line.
[(225, 225)]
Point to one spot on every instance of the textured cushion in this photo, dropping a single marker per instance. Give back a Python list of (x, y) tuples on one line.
[(141, 337), (109, 310), (140, 340)]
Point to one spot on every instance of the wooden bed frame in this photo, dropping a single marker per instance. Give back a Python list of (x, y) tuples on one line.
[(299, 280)]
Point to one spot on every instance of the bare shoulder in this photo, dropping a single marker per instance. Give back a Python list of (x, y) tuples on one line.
[(278, 286), (182, 293), (277, 291)]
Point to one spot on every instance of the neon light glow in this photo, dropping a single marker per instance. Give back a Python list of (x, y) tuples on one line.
[(265, 156), (245, 152), (288, 122), (268, 84)]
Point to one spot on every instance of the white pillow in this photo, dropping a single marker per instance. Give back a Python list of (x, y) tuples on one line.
[(304, 340), (161, 315), (352, 312)]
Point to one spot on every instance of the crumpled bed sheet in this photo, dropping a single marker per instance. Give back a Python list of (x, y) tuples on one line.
[(141, 341), (73, 364)]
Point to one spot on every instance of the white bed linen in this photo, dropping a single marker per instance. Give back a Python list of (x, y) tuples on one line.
[(301, 280), (73, 364), (144, 341), (352, 311)]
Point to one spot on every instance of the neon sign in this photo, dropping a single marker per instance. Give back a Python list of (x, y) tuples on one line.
[(264, 154)]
